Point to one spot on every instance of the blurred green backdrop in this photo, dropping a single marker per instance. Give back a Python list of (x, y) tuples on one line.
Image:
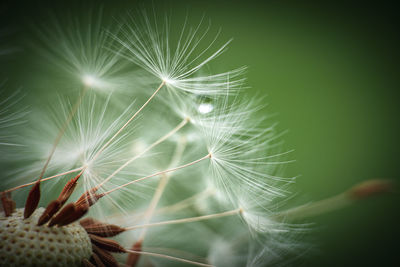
[(331, 73)]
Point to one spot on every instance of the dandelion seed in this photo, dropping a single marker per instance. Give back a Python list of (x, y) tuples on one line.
[(175, 64)]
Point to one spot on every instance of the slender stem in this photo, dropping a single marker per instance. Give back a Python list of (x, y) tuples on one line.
[(168, 257), (358, 192), (186, 202), (126, 124), (188, 220), (158, 173), (162, 185), (177, 206), (313, 209), (153, 204), (162, 139), (175, 251), (176, 158), (62, 130), (44, 179)]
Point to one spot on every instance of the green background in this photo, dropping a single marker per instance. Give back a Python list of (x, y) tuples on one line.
[(331, 73)]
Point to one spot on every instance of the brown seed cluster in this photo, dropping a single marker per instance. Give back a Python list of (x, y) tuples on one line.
[(24, 243)]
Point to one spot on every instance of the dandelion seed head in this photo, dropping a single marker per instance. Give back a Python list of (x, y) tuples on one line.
[(190, 151)]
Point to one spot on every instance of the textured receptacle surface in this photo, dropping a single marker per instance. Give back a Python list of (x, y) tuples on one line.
[(23, 243)]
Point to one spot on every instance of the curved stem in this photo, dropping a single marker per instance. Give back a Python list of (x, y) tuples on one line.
[(188, 220), (158, 173), (162, 139), (313, 209), (168, 257), (63, 129), (126, 123), (44, 179), (186, 202), (162, 185), (358, 192)]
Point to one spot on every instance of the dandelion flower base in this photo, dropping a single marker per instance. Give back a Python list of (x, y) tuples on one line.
[(24, 243)]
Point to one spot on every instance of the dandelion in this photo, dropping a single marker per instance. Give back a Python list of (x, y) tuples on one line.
[(183, 174), (176, 65), (77, 50)]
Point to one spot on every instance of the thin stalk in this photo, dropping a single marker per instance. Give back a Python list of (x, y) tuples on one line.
[(358, 192), (188, 220), (126, 124), (62, 130), (43, 179), (175, 251), (313, 209), (162, 185), (176, 206), (176, 158), (162, 139), (168, 257), (153, 204), (186, 202), (158, 173)]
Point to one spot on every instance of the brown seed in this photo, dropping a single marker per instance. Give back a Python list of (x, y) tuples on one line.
[(87, 263), (133, 258), (33, 200), (97, 260), (87, 196), (63, 214), (78, 212), (371, 188), (105, 256), (7, 203), (101, 229), (56, 205), (68, 189), (49, 212), (106, 244), (88, 221)]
